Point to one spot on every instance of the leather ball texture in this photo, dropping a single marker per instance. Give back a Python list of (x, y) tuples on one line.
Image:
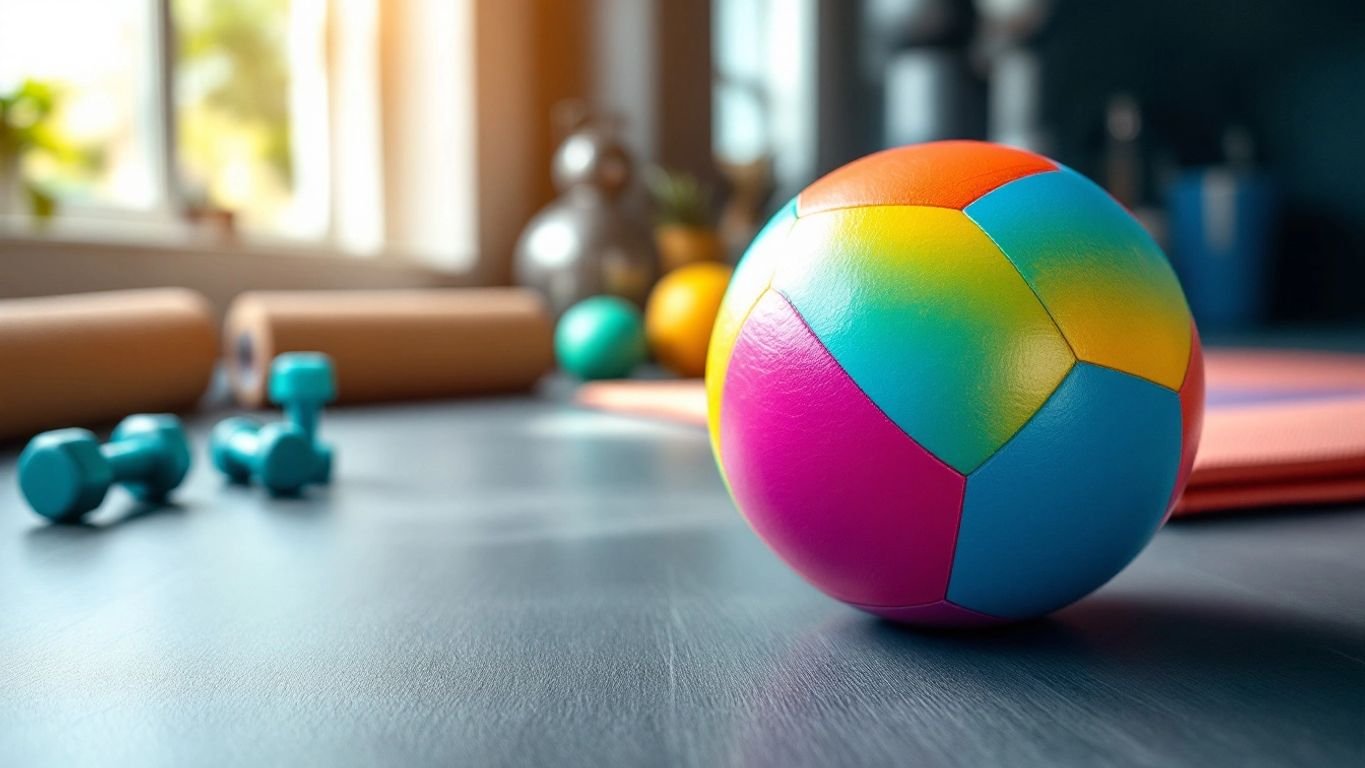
[(955, 383)]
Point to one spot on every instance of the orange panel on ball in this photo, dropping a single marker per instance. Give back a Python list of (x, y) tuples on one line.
[(943, 174)]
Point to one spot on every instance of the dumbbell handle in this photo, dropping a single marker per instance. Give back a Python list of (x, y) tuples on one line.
[(242, 446), (304, 415), (130, 458)]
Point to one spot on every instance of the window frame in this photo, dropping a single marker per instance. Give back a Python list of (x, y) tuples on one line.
[(527, 56), (496, 153)]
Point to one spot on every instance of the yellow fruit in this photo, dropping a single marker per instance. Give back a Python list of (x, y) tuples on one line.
[(680, 313)]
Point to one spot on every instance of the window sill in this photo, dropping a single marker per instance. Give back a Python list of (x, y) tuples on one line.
[(66, 259), (150, 230)]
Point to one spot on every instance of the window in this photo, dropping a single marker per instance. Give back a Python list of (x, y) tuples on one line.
[(763, 98), (250, 111), (95, 59), (271, 114)]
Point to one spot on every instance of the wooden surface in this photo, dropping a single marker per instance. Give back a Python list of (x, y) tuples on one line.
[(516, 582)]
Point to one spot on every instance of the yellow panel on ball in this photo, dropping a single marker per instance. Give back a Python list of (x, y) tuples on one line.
[(1102, 278)]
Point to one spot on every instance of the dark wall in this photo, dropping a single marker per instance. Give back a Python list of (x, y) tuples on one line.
[(1291, 71)]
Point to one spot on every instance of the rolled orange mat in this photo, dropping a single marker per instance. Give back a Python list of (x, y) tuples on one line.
[(1281, 427), (89, 358), (392, 345)]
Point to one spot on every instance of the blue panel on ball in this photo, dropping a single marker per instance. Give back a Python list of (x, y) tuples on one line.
[(1071, 499)]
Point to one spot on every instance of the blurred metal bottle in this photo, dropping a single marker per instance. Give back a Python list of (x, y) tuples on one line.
[(930, 89), (584, 243), (1005, 42)]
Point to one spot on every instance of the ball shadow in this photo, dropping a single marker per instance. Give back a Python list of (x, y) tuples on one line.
[(1116, 666), (1203, 642)]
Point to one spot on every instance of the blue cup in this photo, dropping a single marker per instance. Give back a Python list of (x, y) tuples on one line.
[(1222, 227)]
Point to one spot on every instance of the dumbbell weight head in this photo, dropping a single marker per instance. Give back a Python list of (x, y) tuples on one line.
[(63, 475), (322, 470), (277, 455), (162, 435), (302, 377), (220, 453)]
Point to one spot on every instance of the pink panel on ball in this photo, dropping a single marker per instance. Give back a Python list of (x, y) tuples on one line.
[(1191, 416), (940, 614), (830, 483)]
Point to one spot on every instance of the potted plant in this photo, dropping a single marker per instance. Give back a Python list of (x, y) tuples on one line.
[(28, 128), (682, 210)]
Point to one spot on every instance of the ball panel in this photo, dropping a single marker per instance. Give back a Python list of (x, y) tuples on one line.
[(750, 279), (1105, 282), (824, 477), (939, 614), (1191, 416), (946, 174), (1071, 499), (930, 320)]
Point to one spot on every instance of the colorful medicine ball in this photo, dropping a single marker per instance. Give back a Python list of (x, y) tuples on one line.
[(955, 383)]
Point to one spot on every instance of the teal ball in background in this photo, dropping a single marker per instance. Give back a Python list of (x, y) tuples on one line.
[(600, 338)]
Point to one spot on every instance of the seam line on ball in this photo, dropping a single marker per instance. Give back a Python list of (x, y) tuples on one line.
[(739, 328), (787, 299), (1062, 335), (1137, 376), (1015, 433), (931, 603), (1042, 408), (1189, 358), (957, 532), (1074, 353), (1024, 280), (963, 208), (856, 206)]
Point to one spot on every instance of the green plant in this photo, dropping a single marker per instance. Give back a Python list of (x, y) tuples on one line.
[(28, 128), (679, 198)]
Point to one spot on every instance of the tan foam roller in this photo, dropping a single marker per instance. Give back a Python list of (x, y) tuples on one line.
[(391, 345), (78, 360)]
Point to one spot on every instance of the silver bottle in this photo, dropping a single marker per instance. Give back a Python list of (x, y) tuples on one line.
[(584, 243)]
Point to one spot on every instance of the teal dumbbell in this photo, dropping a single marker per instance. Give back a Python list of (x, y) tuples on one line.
[(302, 383), (66, 473), (277, 455)]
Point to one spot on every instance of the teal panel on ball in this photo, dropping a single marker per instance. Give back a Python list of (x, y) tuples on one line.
[(1103, 279), (1071, 499), (930, 319)]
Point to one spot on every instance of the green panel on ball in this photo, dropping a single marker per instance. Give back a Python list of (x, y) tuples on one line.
[(930, 319)]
